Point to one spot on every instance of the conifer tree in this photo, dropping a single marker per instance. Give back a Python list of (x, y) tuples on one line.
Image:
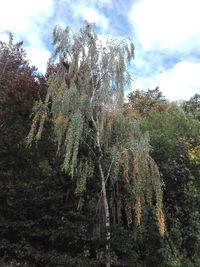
[(85, 102)]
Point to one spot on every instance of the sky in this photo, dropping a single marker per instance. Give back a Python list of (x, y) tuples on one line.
[(166, 35)]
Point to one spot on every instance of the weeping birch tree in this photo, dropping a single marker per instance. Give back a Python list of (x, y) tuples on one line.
[(85, 103)]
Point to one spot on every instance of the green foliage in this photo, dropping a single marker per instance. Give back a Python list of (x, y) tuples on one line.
[(174, 137), (52, 211), (192, 106), (173, 127), (141, 103)]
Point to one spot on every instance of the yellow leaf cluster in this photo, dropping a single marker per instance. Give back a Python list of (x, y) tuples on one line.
[(161, 221), (138, 210), (61, 120), (194, 154)]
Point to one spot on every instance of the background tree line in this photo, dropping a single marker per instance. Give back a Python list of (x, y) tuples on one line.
[(52, 213)]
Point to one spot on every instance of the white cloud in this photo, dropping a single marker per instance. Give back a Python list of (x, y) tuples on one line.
[(163, 28), (38, 57), (90, 10), (166, 24), (4, 37), (93, 15), (24, 15), (180, 82), (37, 52), (26, 20)]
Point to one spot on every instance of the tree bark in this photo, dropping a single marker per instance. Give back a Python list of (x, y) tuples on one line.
[(104, 195), (107, 212)]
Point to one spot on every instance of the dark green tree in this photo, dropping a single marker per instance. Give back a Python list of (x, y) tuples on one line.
[(141, 103), (173, 135), (192, 106)]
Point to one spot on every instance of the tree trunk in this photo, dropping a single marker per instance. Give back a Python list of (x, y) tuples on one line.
[(104, 194), (107, 212)]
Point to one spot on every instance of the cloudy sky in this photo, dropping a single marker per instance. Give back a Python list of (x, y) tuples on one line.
[(166, 35)]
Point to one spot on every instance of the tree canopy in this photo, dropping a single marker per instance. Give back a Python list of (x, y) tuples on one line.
[(96, 139), (99, 173)]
